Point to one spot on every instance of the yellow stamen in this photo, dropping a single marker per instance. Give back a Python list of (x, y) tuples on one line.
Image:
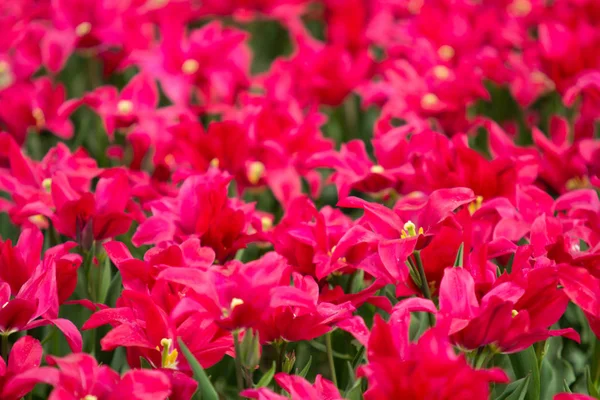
[(410, 230), (579, 182), (330, 252), (446, 52), (83, 29), (38, 115), (169, 159), (47, 184), (236, 302), (429, 101), (6, 76), (255, 172), (441, 72), (190, 66), (38, 220), (159, 3), (377, 169), (214, 163), (520, 8), (168, 357), (266, 223), (125, 106), (89, 397), (475, 205), (514, 313)]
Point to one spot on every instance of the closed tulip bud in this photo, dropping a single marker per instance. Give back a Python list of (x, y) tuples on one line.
[(250, 350), (289, 361)]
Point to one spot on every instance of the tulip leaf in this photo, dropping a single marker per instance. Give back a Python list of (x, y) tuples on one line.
[(267, 377), (104, 280), (205, 387), (321, 347), (355, 391), (525, 364), (350, 374), (144, 364), (119, 360), (306, 368), (517, 390), (556, 372), (357, 281), (595, 360), (114, 289), (358, 358), (592, 389), (458, 261)]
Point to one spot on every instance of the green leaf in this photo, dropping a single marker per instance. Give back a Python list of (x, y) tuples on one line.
[(355, 391), (321, 347), (105, 279), (583, 246), (525, 364), (592, 390), (595, 359), (517, 390), (458, 261), (350, 374), (357, 281), (267, 377), (114, 290), (358, 358), (119, 360), (556, 372), (205, 387), (144, 363), (566, 387), (306, 368)]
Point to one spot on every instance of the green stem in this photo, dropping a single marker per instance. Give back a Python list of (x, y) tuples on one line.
[(350, 117), (595, 370), (479, 356), (351, 282), (48, 336), (239, 374), (539, 348), (484, 356), (90, 346), (330, 358), (280, 349), (424, 284), (5, 347), (280, 356)]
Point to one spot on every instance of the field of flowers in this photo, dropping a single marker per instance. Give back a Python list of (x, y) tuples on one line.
[(305, 199)]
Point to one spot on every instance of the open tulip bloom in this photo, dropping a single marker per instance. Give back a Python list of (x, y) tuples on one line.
[(300, 199)]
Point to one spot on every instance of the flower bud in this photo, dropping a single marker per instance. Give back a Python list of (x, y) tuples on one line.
[(250, 350), (288, 362)]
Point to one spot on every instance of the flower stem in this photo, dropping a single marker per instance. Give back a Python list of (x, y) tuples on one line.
[(5, 347), (330, 357), (280, 348), (483, 357), (48, 336), (424, 284), (280, 356), (239, 374)]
